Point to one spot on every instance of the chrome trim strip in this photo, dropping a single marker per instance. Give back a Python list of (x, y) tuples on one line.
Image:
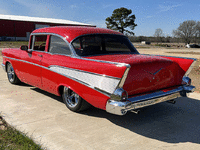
[(33, 41), (3, 66), (123, 79), (70, 46), (26, 62), (190, 68), (77, 80), (120, 108), (170, 56), (85, 72), (103, 61)]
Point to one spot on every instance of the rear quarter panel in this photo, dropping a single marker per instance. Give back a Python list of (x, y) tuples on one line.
[(86, 87), (184, 63)]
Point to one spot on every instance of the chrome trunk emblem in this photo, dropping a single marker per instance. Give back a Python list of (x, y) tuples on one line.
[(154, 72)]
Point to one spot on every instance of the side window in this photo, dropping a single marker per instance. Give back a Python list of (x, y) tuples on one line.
[(58, 46), (40, 42)]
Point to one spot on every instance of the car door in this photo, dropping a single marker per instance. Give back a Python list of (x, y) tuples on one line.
[(32, 61), (58, 54)]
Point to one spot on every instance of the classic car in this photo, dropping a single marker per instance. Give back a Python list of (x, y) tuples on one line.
[(99, 67)]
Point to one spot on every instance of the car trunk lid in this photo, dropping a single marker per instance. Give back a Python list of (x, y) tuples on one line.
[(147, 73)]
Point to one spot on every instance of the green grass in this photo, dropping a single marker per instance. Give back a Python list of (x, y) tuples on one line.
[(161, 45), (11, 139), (12, 44), (142, 47)]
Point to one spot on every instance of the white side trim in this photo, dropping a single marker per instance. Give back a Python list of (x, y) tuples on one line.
[(95, 81), (101, 83)]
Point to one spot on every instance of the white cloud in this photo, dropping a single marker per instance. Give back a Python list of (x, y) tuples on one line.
[(73, 6), (36, 9), (149, 16), (4, 12), (22, 2), (106, 6), (168, 7)]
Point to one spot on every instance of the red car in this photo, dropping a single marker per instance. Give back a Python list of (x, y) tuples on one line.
[(99, 67)]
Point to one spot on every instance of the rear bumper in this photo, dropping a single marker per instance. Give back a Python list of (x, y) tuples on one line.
[(3, 66), (120, 108)]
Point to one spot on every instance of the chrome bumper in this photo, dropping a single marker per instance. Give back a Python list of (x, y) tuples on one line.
[(3, 66), (121, 108)]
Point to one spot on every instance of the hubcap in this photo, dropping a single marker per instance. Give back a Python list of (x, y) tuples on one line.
[(11, 73), (71, 97)]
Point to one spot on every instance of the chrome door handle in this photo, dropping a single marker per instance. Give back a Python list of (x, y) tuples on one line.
[(39, 55)]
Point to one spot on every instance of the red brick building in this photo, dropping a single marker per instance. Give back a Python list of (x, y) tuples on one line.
[(19, 27)]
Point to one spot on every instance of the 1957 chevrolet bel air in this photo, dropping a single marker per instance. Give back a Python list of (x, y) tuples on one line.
[(99, 67)]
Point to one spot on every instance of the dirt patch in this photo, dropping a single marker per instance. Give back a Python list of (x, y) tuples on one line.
[(193, 53), (195, 76)]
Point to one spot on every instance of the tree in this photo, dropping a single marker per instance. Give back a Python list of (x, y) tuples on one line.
[(159, 34), (186, 30), (197, 34), (121, 19)]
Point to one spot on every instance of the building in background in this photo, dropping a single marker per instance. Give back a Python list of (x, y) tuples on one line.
[(18, 28)]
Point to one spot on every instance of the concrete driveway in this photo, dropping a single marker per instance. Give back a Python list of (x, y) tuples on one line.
[(46, 119)]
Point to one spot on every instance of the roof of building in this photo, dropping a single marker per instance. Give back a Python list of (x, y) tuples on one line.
[(71, 32), (44, 20)]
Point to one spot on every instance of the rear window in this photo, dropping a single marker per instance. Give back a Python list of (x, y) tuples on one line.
[(102, 44)]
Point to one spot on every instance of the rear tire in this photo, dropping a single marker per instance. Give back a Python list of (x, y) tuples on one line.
[(12, 77), (73, 101)]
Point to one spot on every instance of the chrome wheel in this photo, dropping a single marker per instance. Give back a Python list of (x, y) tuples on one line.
[(12, 77), (70, 97), (11, 73), (73, 101)]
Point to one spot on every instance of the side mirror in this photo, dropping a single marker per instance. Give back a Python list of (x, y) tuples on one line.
[(24, 47)]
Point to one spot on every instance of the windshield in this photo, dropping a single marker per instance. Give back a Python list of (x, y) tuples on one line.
[(99, 44)]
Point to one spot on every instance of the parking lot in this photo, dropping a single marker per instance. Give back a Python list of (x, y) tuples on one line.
[(45, 118)]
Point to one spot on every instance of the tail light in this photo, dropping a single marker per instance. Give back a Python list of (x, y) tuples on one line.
[(120, 95), (186, 81)]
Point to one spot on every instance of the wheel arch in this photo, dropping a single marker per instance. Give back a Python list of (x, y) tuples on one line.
[(7, 62), (61, 87), (93, 97)]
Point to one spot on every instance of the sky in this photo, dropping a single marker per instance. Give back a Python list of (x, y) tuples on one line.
[(150, 15)]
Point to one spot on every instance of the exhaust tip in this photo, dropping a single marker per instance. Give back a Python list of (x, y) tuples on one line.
[(123, 112), (172, 101), (136, 111)]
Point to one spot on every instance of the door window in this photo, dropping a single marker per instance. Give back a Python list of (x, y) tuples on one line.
[(40, 42), (58, 46)]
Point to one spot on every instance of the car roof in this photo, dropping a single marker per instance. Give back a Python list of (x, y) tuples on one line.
[(71, 32)]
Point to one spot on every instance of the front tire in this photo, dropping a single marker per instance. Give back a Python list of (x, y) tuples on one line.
[(73, 101), (12, 77)]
